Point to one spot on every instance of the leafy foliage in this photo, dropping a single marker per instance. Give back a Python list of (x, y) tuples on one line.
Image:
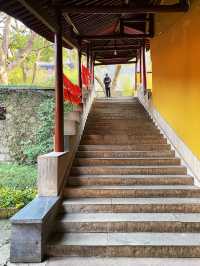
[(17, 176), (21, 119), (15, 198), (68, 107), (17, 185), (43, 142)]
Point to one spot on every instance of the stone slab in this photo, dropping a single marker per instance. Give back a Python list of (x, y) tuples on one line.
[(31, 227)]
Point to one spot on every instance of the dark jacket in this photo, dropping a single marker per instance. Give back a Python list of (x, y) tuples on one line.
[(107, 81)]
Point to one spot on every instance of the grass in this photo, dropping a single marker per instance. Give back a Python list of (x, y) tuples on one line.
[(17, 185), (17, 176)]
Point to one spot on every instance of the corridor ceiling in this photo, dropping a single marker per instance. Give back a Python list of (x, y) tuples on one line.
[(112, 30)]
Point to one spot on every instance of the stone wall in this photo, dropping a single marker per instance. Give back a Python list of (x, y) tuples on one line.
[(21, 121)]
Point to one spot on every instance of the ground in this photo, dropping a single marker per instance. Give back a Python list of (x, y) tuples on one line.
[(5, 246), (4, 241)]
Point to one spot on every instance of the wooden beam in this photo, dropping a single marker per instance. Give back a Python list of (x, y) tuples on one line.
[(115, 63), (104, 49), (135, 20), (33, 7), (182, 6), (114, 36), (128, 46), (151, 25), (70, 22), (115, 58)]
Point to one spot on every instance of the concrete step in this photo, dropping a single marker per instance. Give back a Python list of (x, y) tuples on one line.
[(139, 147), (136, 118), (128, 170), (132, 123), (126, 161), (124, 142), (128, 222), (134, 128), (125, 245), (129, 131), (122, 137), (143, 134), (132, 191), (125, 154), (90, 180), (129, 205)]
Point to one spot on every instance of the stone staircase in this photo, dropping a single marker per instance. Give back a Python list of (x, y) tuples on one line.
[(127, 194)]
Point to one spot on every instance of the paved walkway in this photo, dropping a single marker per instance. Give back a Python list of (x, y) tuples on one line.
[(5, 246)]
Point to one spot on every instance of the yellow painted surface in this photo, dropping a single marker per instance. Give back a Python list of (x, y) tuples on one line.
[(149, 81), (176, 77)]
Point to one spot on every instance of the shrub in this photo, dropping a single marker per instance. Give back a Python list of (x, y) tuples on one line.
[(17, 176), (44, 134), (15, 198), (68, 107)]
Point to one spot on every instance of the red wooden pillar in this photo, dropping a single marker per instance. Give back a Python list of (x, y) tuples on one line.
[(92, 72), (79, 69), (144, 69), (59, 113), (141, 67)]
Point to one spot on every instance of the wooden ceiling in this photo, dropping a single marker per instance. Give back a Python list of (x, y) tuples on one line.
[(112, 30)]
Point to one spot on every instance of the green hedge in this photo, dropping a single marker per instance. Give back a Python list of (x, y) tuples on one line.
[(16, 198), (17, 185)]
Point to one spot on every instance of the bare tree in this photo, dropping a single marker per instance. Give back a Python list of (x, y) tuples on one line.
[(7, 65), (116, 75), (4, 50)]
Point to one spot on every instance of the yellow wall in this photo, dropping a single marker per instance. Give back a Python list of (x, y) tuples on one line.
[(176, 77)]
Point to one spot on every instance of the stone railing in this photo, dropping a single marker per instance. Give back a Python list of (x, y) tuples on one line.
[(54, 167)]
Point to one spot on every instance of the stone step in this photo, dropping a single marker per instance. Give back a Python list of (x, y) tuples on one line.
[(132, 191), (125, 245), (131, 147), (126, 161), (128, 170), (129, 131), (128, 222), (123, 141), (129, 205), (134, 128), (119, 117), (125, 154), (122, 123), (90, 180), (144, 134), (122, 137)]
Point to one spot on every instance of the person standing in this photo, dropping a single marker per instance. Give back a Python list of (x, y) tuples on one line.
[(107, 81)]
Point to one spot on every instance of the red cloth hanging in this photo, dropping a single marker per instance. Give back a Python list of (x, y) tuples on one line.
[(86, 77), (72, 92)]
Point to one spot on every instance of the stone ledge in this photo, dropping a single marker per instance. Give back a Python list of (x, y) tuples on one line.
[(31, 227), (35, 211)]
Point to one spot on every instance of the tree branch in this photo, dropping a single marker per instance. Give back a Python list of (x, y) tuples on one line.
[(23, 53)]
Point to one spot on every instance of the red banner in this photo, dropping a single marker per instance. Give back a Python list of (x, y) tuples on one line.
[(86, 76), (72, 92)]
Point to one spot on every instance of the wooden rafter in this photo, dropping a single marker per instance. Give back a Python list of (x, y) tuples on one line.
[(115, 63), (41, 15), (114, 36), (133, 48), (182, 6), (117, 45)]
